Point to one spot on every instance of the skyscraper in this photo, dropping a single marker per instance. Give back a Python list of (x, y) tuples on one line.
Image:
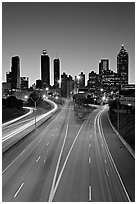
[(81, 80), (122, 65), (15, 73), (103, 66), (45, 69), (56, 63)]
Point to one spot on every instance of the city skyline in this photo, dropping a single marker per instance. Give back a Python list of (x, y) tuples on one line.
[(92, 32)]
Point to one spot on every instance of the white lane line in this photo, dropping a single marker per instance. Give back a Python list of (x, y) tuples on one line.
[(90, 193), (56, 171), (89, 145), (105, 161), (54, 189), (107, 172), (18, 190), (27, 148), (110, 156), (89, 160), (38, 159), (47, 143)]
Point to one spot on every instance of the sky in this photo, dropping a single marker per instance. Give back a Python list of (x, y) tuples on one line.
[(79, 33)]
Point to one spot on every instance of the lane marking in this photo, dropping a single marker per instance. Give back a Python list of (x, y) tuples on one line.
[(54, 189), (89, 160), (109, 154), (105, 161), (107, 172), (56, 171), (89, 145), (29, 146), (90, 193), (38, 159), (18, 190)]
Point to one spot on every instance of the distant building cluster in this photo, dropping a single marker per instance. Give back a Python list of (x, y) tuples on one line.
[(65, 85)]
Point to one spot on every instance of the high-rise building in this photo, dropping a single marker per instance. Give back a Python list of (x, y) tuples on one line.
[(38, 84), (15, 73), (45, 69), (81, 80), (24, 83), (122, 65), (56, 63), (93, 81), (64, 85), (8, 77), (103, 66)]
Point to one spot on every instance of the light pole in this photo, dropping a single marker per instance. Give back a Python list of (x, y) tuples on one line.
[(47, 91), (35, 103)]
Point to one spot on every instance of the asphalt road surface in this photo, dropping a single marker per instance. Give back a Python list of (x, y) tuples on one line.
[(66, 159)]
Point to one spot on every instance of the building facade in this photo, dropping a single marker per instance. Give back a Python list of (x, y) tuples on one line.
[(93, 81), (56, 63), (122, 65), (103, 66), (15, 73), (24, 83), (45, 69), (81, 80)]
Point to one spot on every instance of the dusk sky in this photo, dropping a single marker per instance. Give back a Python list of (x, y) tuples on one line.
[(80, 34)]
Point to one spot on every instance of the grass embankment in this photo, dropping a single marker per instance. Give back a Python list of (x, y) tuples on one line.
[(126, 126), (12, 113)]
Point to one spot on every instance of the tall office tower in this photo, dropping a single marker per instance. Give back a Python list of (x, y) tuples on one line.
[(103, 66), (24, 83), (15, 72), (8, 77), (93, 81), (122, 65), (81, 80), (64, 85), (56, 63), (45, 69)]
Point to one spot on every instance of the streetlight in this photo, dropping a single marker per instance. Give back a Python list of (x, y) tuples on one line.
[(47, 91), (94, 101), (35, 102)]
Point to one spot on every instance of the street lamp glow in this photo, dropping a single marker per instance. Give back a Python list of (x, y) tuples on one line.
[(26, 97), (78, 77), (101, 89), (47, 89), (103, 98), (44, 96), (59, 81)]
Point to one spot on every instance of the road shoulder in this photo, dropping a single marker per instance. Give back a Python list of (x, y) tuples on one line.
[(123, 159)]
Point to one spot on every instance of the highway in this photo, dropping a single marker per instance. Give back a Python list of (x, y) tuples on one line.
[(66, 159)]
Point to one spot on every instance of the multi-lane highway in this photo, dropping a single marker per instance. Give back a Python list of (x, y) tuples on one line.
[(65, 159)]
